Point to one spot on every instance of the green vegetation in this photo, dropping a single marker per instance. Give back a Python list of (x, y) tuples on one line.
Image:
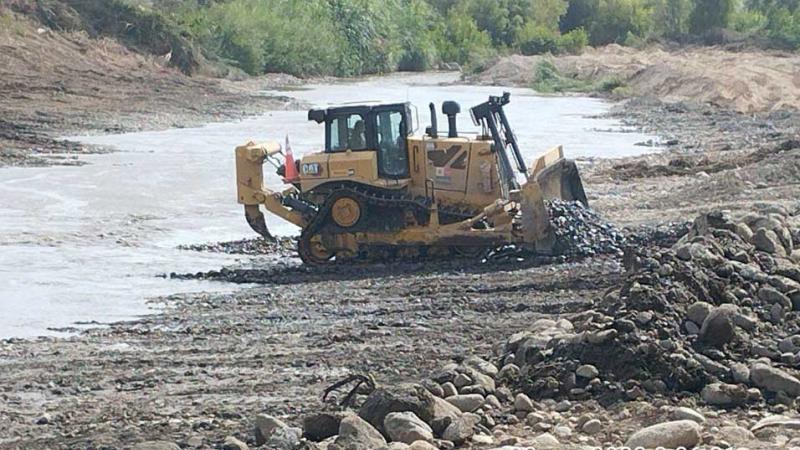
[(549, 80), (354, 37)]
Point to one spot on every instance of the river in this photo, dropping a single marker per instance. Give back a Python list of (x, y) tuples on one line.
[(85, 245)]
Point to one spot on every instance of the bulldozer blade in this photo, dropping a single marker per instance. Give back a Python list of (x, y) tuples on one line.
[(535, 220), (255, 218), (561, 180)]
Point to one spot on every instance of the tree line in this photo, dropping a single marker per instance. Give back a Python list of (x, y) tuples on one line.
[(353, 37)]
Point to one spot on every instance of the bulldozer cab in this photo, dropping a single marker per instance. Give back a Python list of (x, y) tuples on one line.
[(383, 129)]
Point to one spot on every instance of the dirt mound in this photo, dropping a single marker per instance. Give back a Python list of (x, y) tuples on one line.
[(135, 28), (56, 82), (745, 81), (721, 301)]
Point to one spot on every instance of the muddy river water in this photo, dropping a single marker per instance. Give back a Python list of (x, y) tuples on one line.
[(86, 245)]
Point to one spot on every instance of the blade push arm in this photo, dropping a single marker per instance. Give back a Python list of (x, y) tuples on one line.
[(490, 115)]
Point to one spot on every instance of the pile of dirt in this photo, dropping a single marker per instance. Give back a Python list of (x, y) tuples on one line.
[(745, 81), (715, 315), (137, 29)]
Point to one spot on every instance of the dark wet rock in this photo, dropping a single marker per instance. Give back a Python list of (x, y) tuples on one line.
[(320, 426), (718, 327)]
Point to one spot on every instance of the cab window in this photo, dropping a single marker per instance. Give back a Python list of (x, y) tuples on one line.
[(348, 132), (392, 153)]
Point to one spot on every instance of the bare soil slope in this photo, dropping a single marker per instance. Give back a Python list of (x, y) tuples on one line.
[(54, 83), (744, 81)]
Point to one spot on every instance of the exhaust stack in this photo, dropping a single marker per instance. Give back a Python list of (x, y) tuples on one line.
[(433, 130), (451, 110)]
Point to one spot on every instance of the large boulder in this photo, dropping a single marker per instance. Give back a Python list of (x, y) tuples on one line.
[(481, 365), (273, 430), (357, 434), (462, 428), (773, 296), (774, 380), (678, 433), (768, 241), (405, 397), (697, 312), (684, 413), (718, 327), (320, 426), (467, 402), (406, 427), (721, 394), (736, 435), (444, 413), (546, 441)]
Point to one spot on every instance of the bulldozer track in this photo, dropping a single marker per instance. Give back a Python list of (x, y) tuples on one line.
[(380, 198)]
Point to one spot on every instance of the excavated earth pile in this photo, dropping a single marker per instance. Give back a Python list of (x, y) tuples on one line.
[(687, 319)]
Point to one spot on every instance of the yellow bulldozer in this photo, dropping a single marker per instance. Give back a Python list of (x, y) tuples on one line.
[(377, 191)]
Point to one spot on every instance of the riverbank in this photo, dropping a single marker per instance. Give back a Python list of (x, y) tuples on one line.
[(55, 84), (745, 81)]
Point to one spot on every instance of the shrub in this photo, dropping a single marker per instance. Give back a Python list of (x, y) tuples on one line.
[(783, 27), (549, 80), (747, 21), (573, 42), (535, 40)]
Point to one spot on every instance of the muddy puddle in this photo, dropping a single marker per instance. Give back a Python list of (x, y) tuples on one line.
[(86, 245)]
